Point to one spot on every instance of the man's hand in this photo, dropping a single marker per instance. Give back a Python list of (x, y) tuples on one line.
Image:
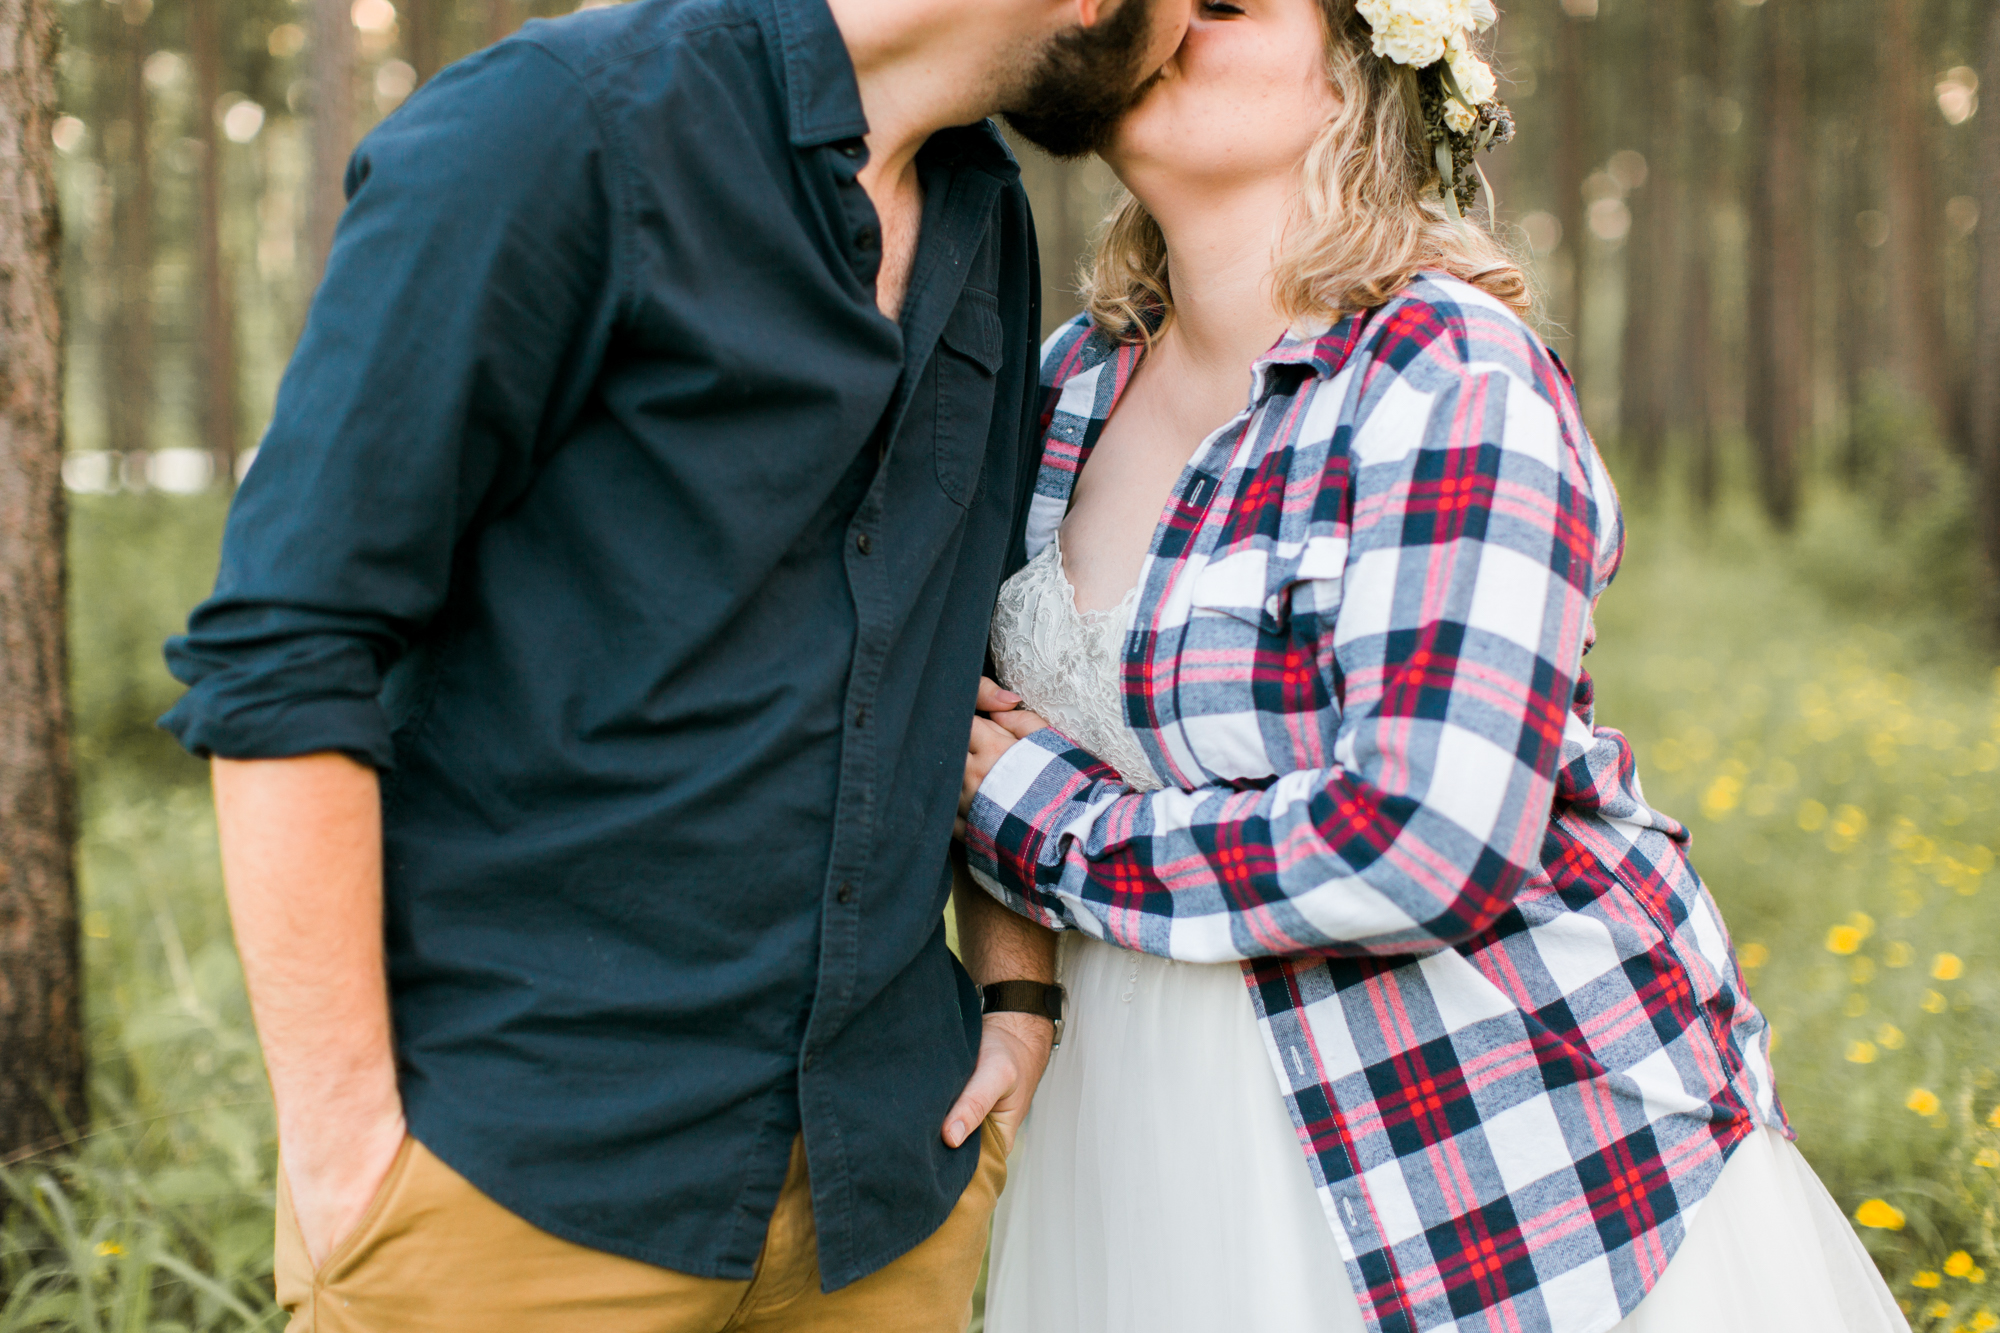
[(1013, 1050), (991, 737), (335, 1174), (996, 945), (302, 864)]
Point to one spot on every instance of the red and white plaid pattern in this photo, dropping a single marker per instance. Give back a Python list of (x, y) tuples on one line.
[(1503, 1008)]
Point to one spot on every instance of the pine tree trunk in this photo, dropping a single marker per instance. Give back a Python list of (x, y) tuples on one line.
[(1709, 178), (1915, 312), (333, 124), (1652, 270), (1572, 165), (218, 311), (41, 1034), (425, 36), (1986, 365), (1780, 324), (500, 22), (128, 394)]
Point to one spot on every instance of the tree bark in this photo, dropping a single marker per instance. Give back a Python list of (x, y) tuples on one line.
[(1986, 365), (1780, 322), (1572, 165), (41, 1034), (1915, 310), (128, 397), (333, 124), (218, 311)]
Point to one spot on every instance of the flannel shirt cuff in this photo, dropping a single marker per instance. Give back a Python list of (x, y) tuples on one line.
[(1011, 835)]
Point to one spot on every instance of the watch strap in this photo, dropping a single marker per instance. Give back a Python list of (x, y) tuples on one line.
[(1023, 997)]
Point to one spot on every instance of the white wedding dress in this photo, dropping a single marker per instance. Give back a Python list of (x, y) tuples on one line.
[(1158, 1185)]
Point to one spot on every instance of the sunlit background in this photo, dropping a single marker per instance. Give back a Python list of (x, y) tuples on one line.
[(1758, 230)]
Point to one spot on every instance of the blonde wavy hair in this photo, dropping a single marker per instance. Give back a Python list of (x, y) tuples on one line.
[(1368, 214)]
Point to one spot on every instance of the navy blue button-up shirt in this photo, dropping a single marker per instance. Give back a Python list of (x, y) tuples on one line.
[(604, 513)]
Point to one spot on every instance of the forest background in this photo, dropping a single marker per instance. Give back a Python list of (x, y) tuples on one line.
[(1768, 238)]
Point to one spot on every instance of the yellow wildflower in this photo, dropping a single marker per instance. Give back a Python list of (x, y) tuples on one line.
[(1932, 1003), (1925, 1102), (1937, 1310), (107, 1248), (1984, 1322), (1880, 1214), (1889, 1037), (1994, 1119), (1861, 970), (1862, 922), (1898, 954), (1957, 1264), (1947, 967), (1721, 796), (1753, 955), (1861, 1053), (1927, 1279), (1812, 815), (1843, 940), (1987, 1157), (1976, 1276)]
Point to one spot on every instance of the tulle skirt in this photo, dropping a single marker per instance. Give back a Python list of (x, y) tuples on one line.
[(1158, 1187)]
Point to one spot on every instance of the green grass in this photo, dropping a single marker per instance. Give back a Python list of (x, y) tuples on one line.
[(1827, 729), (1839, 767)]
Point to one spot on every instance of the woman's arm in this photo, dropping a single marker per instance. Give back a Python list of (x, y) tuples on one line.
[(1462, 611)]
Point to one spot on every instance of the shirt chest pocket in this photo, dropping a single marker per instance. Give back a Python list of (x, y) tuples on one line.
[(1280, 593), (968, 359)]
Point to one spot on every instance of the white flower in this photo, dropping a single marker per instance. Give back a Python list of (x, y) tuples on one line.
[(1410, 32), (1458, 117), (1475, 76), (1418, 33)]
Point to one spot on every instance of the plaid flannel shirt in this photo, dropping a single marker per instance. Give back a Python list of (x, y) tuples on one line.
[(1501, 1005)]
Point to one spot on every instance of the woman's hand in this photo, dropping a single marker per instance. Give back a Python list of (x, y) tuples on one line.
[(999, 722)]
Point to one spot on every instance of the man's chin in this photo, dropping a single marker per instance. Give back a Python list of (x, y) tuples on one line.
[(1063, 138)]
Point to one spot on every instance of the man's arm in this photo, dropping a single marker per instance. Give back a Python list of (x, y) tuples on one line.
[(996, 945), (302, 864)]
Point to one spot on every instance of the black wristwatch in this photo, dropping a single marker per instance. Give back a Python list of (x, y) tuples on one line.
[(1025, 997)]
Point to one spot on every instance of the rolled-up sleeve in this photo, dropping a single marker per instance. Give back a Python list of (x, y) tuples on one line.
[(466, 301)]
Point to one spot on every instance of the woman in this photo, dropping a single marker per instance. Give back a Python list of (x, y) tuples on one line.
[(1320, 725)]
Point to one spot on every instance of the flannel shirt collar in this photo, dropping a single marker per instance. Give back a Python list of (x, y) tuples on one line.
[(1322, 349)]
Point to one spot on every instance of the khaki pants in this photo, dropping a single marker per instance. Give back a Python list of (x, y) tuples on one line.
[(434, 1255)]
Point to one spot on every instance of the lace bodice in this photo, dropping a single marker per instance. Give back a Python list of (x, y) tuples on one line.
[(1065, 662)]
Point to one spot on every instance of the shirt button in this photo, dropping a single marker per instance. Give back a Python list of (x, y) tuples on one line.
[(861, 717), (852, 148), (808, 1061), (864, 544), (846, 894)]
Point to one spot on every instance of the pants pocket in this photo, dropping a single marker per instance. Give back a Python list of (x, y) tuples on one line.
[(296, 1278)]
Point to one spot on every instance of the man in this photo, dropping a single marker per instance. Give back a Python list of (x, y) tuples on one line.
[(599, 628)]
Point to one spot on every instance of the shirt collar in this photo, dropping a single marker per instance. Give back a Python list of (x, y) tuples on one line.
[(1321, 347), (822, 100)]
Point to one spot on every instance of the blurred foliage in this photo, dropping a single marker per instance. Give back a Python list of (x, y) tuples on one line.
[(1816, 714), (1811, 707)]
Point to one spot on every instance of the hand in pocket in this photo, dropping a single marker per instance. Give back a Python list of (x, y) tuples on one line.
[(334, 1173)]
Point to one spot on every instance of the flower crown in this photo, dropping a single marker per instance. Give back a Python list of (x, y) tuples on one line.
[(1462, 110)]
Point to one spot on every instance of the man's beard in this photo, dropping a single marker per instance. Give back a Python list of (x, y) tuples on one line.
[(1086, 79)]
